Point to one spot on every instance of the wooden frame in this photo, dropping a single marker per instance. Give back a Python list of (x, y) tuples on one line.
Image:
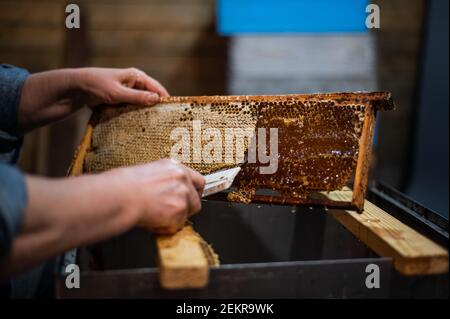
[(364, 156), (373, 102)]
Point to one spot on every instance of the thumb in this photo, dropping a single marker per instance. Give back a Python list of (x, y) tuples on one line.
[(137, 97)]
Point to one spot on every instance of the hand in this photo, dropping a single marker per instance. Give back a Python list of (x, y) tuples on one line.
[(114, 86), (163, 194), (62, 214), (52, 95)]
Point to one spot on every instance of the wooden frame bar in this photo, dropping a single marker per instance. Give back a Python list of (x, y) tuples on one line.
[(279, 200), (364, 156)]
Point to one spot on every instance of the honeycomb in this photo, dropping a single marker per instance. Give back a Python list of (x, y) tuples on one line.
[(318, 137), (318, 148), (135, 135)]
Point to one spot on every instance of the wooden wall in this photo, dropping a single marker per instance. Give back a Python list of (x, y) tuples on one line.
[(172, 40)]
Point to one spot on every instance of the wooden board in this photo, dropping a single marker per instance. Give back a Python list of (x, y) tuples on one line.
[(151, 15), (182, 262), (183, 258), (412, 253), (76, 168), (364, 156)]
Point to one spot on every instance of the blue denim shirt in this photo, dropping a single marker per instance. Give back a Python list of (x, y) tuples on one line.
[(13, 195), (38, 282)]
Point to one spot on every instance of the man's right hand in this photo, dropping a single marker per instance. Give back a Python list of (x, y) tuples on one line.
[(162, 194)]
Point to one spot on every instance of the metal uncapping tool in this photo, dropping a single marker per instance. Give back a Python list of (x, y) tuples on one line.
[(219, 181)]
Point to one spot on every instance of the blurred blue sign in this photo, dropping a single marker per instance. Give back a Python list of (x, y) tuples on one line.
[(290, 16)]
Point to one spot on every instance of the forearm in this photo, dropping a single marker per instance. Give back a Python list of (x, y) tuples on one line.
[(49, 96), (63, 214)]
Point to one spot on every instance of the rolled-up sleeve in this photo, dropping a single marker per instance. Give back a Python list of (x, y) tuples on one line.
[(13, 195), (11, 83)]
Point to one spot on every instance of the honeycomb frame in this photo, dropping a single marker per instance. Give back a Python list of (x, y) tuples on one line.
[(373, 102)]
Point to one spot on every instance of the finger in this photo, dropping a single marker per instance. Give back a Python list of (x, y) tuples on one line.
[(136, 97), (136, 78), (151, 84), (173, 227), (166, 230), (196, 178), (194, 200)]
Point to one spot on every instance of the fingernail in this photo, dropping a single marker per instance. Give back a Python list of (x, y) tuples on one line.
[(152, 98)]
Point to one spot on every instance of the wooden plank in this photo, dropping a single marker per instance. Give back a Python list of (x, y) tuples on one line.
[(149, 15), (380, 100), (157, 43), (182, 75), (108, 15), (412, 253), (32, 13), (76, 168), (183, 260), (33, 61), (162, 64), (364, 157), (37, 39)]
